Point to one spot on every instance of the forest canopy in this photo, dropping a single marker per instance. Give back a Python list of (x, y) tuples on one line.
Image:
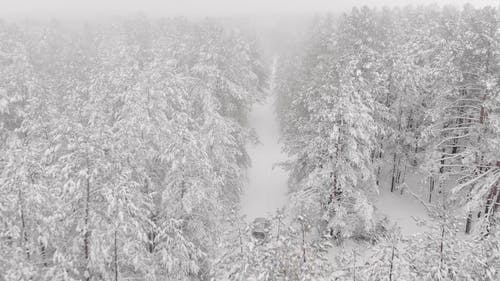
[(123, 147)]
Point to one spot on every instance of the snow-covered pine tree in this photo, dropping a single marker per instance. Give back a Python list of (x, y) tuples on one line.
[(333, 137)]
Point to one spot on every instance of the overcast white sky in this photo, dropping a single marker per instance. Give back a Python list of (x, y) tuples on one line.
[(9, 8)]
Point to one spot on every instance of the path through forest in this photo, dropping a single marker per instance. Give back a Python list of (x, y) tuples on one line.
[(266, 190)]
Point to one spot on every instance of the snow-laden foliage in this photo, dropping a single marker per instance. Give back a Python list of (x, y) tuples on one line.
[(411, 89), (122, 147), (286, 252), (441, 253), (330, 130)]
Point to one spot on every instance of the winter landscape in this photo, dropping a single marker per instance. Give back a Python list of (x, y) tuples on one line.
[(249, 140)]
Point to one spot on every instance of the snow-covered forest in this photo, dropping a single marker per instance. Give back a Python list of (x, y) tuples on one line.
[(362, 145)]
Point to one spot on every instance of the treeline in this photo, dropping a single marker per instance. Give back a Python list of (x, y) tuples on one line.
[(377, 94), (121, 146)]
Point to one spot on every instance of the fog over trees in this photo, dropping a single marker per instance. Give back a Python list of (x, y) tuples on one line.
[(287, 142)]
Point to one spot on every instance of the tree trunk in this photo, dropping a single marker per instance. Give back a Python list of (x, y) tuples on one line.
[(278, 229), (392, 264), (354, 265), (379, 167), (116, 256), (394, 167), (241, 240), (459, 124), (404, 177), (152, 235), (86, 235), (303, 243), (468, 223), (441, 246), (24, 233), (492, 203), (441, 169), (336, 189), (431, 187), (468, 220)]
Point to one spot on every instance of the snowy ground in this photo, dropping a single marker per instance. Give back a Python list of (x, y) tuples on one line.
[(404, 210), (267, 186)]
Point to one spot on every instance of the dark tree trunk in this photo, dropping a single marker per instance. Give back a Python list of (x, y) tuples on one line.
[(86, 234), (468, 220), (431, 187), (379, 167), (392, 264), (492, 203), (393, 181), (441, 169), (152, 236), (468, 223), (404, 178), (116, 257), (303, 242), (441, 246), (24, 232)]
